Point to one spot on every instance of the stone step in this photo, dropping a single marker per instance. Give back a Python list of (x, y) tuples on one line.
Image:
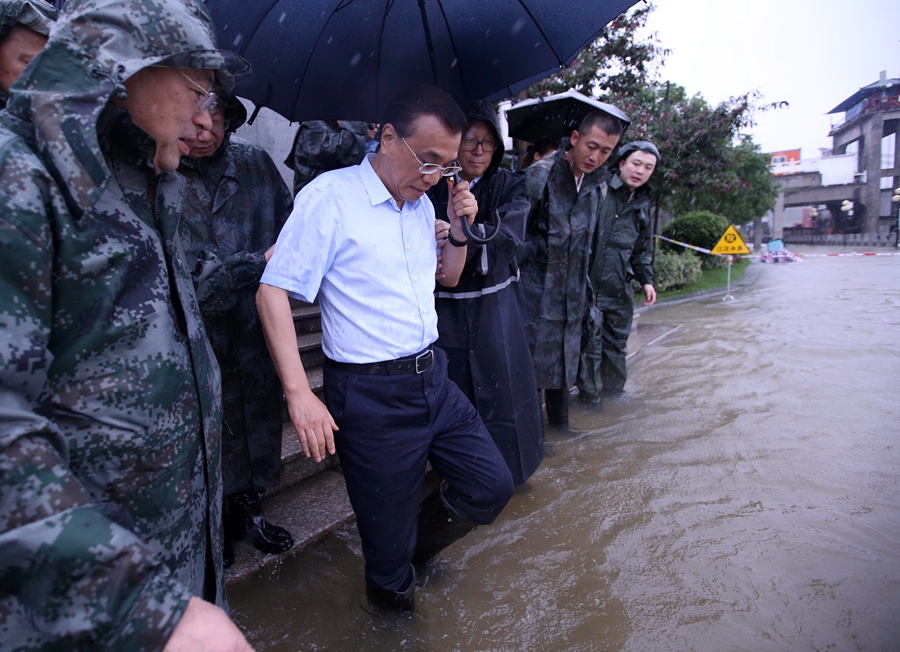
[(310, 346), (295, 466), (307, 317), (309, 510)]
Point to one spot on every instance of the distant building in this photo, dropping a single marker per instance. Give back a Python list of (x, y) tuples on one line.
[(870, 122), (858, 172), (785, 157)]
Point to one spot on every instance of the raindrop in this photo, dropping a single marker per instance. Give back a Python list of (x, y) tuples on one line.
[(330, 39), (453, 65), (355, 59), (496, 61), (518, 25), (237, 39), (282, 17), (538, 44)]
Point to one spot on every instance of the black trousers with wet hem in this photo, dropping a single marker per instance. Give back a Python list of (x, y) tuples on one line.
[(389, 426)]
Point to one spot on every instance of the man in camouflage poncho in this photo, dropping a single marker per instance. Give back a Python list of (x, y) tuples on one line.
[(565, 191), (323, 145), (110, 412), (235, 206), (24, 26)]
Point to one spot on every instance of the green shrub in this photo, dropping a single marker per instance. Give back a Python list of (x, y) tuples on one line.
[(701, 229), (673, 270)]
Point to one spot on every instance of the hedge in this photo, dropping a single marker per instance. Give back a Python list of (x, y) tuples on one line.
[(701, 229)]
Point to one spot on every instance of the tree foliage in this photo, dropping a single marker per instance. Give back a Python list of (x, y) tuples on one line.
[(708, 161), (616, 63), (707, 164)]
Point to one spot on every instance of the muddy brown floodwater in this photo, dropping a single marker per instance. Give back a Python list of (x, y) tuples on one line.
[(745, 499)]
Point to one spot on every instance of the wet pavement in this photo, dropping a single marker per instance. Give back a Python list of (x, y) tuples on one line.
[(744, 498)]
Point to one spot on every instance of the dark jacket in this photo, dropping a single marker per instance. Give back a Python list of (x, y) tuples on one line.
[(235, 206), (555, 261), (623, 244), (323, 145)]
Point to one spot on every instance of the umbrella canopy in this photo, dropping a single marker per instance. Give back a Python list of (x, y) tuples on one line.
[(555, 116), (346, 59)]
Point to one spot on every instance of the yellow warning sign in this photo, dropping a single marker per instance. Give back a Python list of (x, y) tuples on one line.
[(730, 243)]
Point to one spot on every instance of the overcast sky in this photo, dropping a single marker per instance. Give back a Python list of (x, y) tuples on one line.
[(811, 53)]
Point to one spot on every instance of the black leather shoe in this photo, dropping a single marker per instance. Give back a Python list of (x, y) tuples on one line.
[(249, 524), (392, 600)]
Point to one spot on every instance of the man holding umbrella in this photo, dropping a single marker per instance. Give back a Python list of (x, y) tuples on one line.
[(363, 240), (565, 191)]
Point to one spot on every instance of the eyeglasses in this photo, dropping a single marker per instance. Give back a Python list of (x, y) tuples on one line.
[(431, 168), (209, 102), (471, 144), (220, 126)]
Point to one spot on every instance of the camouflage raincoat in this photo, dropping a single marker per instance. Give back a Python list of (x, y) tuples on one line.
[(235, 207), (554, 264), (36, 14), (323, 145), (110, 411)]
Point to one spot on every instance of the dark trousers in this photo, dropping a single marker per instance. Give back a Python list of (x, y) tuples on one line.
[(603, 367), (389, 427)]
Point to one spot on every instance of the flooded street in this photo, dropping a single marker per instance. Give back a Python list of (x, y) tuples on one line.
[(747, 498)]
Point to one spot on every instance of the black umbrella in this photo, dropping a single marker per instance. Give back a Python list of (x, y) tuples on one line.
[(346, 59), (555, 116)]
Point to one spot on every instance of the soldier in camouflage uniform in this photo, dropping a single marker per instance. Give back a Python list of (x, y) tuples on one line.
[(323, 145), (24, 26), (110, 410), (622, 250), (235, 207), (565, 191)]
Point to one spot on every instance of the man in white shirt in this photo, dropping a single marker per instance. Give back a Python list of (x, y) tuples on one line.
[(363, 239)]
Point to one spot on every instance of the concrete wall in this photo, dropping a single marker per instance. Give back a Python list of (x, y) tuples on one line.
[(274, 134)]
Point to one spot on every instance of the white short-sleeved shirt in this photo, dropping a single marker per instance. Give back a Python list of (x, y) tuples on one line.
[(372, 265)]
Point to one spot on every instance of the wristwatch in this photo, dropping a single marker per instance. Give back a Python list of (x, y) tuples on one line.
[(454, 241)]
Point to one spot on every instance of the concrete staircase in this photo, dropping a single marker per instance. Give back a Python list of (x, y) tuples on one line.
[(311, 499)]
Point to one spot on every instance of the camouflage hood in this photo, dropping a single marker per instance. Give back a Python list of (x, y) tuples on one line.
[(94, 47), (34, 14)]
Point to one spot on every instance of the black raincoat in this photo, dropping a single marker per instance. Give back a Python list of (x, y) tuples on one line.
[(481, 321), (235, 206), (622, 250)]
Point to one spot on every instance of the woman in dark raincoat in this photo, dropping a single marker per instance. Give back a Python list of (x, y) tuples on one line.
[(481, 321)]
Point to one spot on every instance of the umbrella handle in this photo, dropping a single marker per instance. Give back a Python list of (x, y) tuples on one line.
[(480, 240)]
